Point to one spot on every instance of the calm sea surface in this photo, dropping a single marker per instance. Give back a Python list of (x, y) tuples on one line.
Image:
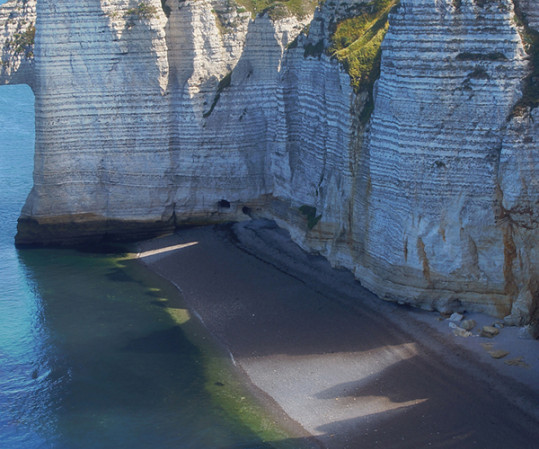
[(91, 354)]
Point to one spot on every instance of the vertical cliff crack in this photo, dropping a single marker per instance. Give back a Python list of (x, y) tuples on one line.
[(166, 9), (423, 257), (223, 84)]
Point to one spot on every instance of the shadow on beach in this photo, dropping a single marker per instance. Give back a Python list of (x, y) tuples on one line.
[(314, 341)]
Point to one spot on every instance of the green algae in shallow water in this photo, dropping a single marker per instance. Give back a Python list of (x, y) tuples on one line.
[(127, 366), (222, 381)]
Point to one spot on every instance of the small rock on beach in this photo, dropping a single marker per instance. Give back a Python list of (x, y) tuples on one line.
[(519, 361), (468, 324), (459, 332), (498, 354), (456, 317), (489, 331)]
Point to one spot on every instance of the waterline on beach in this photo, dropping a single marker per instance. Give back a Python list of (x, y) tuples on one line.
[(93, 353), (229, 388), (125, 362)]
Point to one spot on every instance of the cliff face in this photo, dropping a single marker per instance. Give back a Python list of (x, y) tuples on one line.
[(438, 205), (437, 219), (466, 217), (154, 114), (102, 113)]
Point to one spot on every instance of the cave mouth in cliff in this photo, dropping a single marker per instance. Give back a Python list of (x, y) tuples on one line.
[(223, 204)]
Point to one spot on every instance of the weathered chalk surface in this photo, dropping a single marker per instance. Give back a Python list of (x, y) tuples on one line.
[(151, 118)]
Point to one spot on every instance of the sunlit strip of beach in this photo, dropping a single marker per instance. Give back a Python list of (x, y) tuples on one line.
[(166, 249)]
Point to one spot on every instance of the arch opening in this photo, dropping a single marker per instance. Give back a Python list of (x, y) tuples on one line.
[(17, 143)]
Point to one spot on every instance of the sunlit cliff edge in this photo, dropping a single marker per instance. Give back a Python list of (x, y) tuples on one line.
[(156, 114)]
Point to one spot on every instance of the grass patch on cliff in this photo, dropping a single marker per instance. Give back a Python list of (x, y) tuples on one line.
[(142, 11), (530, 38), (356, 42), (277, 9), (23, 42)]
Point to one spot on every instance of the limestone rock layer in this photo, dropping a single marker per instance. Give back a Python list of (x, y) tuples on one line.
[(154, 114), (449, 79)]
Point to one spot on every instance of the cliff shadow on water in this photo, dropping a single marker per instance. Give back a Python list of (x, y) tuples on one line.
[(97, 353), (123, 364)]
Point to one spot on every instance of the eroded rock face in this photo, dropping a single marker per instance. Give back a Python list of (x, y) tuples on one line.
[(518, 214), (443, 163), (102, 118), (450, 77), (443, 210), (227, 111), (150, 117)]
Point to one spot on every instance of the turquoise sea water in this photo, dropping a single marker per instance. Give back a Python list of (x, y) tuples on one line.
[(90, 354)]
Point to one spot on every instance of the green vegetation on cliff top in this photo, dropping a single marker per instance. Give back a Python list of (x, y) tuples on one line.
[(278, 9), (142, 11), (356, 42)]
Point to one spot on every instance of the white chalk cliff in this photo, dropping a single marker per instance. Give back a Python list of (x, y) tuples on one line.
[(153, 114)]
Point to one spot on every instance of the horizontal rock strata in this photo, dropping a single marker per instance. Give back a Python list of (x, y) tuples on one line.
[(450, 77), (153, 114), (102, 114), (531, 12)]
